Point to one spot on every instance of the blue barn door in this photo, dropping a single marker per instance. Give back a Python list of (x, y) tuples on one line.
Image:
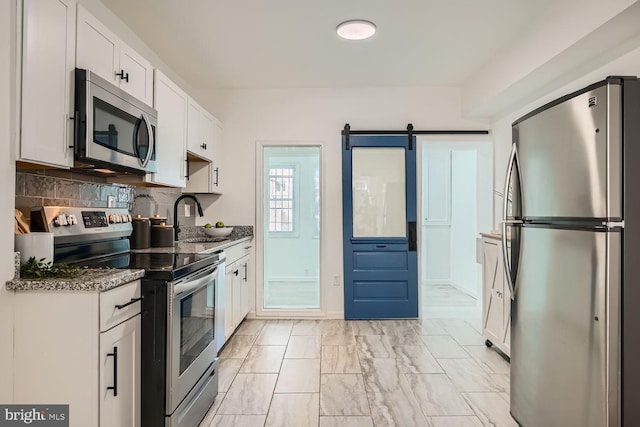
[(379, 227)]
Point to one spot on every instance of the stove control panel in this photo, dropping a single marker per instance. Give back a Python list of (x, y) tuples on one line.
[(72, 223)]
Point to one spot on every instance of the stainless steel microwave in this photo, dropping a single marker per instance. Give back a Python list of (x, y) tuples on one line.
[(114, 132)]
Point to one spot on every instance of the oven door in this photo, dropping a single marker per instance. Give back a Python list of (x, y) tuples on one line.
[(191, 343)]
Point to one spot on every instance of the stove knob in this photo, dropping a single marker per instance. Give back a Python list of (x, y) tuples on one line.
[(111, 219), (118, 218), (128, 215), (62, 219), (71, 219)]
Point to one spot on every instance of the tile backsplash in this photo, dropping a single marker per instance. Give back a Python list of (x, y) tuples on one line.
[(58, 187), (55, 187)]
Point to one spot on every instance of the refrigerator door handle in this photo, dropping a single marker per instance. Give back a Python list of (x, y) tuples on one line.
[(507, 222), (507, 181), (505, 256)]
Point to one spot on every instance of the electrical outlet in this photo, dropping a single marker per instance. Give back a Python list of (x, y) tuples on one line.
[(336, 280), (111, 201), (187, 210)]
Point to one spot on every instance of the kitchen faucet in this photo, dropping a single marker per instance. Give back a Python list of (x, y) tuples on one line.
[(176, 227)]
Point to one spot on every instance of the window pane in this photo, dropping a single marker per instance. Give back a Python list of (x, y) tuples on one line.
[(379, 191), (291, 236)]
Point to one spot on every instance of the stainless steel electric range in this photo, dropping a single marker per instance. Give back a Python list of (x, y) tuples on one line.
[(179, 375)]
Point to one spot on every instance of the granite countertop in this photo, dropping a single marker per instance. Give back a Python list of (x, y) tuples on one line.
[(105, 279), (88, 280), (196, 245)]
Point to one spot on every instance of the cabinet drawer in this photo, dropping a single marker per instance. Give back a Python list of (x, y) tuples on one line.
[(110, 314), (234, 252)]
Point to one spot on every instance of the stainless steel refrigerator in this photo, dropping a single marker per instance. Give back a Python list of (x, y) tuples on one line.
[(574, 260)]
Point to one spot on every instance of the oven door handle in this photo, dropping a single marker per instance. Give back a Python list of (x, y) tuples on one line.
[(192, 285)]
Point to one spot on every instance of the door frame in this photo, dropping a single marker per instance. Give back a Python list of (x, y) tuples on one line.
[(260, 311), (422, 142)]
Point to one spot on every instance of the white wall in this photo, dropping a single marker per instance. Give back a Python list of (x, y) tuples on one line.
[(628, 64), (7, 191), (576, 35), (464, 225), (319, 115)]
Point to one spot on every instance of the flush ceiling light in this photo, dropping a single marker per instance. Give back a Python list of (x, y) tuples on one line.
[(356, 29)]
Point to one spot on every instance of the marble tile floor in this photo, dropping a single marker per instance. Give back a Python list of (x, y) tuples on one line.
[(430, 372)]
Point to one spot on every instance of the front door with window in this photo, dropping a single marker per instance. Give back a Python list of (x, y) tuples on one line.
[(291, 212), (379, 227)]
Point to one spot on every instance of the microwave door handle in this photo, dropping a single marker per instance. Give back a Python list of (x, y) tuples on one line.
[(152, 140)]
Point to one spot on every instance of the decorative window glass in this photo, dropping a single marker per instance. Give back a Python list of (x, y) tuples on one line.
[(281, 201)]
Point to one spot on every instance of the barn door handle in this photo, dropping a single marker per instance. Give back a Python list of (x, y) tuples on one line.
[(413, 237)]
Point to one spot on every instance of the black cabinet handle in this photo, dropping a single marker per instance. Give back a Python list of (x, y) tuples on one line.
[(203, 146), (123, 76), (115, 371), (246, 275), (216, 171), (188, 173), (235, 273), (133, 300)]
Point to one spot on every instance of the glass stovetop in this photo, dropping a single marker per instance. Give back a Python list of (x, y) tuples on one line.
[(161, 265)]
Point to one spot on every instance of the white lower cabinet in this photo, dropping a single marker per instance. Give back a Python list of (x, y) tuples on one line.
[(237, 281), (496, 296), (119, 374), (78, 348), (229, 281)]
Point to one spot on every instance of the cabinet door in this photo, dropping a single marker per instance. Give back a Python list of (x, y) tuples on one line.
[(139, 72), (207, 135), (97, 49), (171, 104), (48, 61), (244, 286), (506, 315), (120, 369), (237, 295), (195, 133), (493, 291), (217, 178), (229, 327)]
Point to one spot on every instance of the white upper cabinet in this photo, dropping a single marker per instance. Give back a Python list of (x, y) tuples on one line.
[(201, 131), (99, 50), (171, 103), (216, 184), (48, 60), (204, 143)]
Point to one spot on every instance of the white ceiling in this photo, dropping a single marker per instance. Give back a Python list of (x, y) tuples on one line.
[(292, 43)]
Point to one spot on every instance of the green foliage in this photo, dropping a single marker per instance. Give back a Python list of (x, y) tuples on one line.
[(34, 269)]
